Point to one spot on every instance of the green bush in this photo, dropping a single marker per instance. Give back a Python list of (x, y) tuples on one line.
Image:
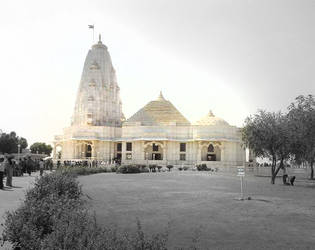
[(203, 167), (129, 169), (33, 221), (114, 169), (169, 167), (84, 170)]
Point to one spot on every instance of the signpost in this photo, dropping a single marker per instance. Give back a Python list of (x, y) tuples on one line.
[(241, 173)]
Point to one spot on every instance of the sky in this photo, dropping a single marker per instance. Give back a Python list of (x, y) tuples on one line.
[(229, 56)]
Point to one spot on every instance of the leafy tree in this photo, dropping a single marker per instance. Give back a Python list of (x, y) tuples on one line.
[(302, 124), (41, 147), (9, 143), (267, 134)]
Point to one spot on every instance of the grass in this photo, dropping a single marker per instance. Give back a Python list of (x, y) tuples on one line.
[(201, 205)]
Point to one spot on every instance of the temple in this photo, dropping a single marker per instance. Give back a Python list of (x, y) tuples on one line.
[(157, 134)]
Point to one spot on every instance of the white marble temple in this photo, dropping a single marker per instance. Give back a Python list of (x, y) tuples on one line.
[(156, 134)]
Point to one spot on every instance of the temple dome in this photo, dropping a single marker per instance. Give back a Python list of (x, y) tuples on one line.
[(158, 112), (211, 120)]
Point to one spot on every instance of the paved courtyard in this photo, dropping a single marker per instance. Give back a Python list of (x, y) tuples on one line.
[(195, 203)]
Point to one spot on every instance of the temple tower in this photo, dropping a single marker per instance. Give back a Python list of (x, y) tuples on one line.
[(98, 100)]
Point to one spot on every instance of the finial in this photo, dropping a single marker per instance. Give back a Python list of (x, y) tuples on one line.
[(210, 113), (161, 97)]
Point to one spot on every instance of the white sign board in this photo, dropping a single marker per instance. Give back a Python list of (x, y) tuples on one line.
[(240, 171)]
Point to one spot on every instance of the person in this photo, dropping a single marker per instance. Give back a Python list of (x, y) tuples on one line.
[(50, 165), (1, 171), (29, 165), (9, 169), (41, 167), (292, 179)]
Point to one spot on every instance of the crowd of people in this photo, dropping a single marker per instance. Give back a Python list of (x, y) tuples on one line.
[(9, 167)]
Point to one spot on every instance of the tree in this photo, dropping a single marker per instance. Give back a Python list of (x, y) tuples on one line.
[(41, 147), (267, 134), (9, 143), (302, 124), (169, 167)]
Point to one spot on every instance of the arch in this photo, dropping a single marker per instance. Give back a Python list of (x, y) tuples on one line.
[(211, 152), (153, 150), (210, 148)]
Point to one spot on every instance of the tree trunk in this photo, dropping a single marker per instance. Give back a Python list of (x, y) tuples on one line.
[(312, 170), (273, 167), (275, 171)]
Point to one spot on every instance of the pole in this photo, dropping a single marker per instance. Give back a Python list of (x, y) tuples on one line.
[(93, 33), (242, 190)]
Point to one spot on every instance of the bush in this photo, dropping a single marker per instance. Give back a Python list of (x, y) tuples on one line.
[(203, 167), (152, 168), (129, 169), (33, 221), (169, 167), (185, 168), (180, 168), (144, 169), (80, 170)]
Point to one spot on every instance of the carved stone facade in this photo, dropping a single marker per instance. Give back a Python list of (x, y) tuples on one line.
[(156, 134)]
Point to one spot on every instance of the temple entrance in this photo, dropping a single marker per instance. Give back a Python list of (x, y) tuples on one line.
[(88, 151), (156, 157), (153, 151), (211, 153)]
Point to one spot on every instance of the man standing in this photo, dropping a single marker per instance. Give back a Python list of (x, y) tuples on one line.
[(1, 171), (9, 168), (41, 167)]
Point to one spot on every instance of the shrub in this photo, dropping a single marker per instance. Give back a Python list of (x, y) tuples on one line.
[(144, 169), (51, 195), (169, 167), (83, 170), (159, 168), (129, 169), (152, 168), (202, 167), (185, 168), (180, 168)]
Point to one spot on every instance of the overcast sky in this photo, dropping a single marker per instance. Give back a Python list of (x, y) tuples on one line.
[(232, 57)]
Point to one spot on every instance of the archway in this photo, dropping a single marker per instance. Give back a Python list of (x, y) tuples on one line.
[(88, 151), (153, 151), (210, 152)]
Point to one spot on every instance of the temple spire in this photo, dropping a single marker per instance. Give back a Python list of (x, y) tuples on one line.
[(161, 97)]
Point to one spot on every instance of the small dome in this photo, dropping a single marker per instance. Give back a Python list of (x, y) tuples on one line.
[(211, 120)]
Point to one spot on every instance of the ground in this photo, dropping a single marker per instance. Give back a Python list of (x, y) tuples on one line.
[(195, 203)]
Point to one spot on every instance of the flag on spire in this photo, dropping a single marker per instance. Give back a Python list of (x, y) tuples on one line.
[(91, 26)]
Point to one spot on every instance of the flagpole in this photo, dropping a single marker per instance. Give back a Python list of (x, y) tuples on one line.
[(93, 34), (91, 26)]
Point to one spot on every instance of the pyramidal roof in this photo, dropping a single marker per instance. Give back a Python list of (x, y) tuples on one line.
[(211, 120), (158, 112)]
